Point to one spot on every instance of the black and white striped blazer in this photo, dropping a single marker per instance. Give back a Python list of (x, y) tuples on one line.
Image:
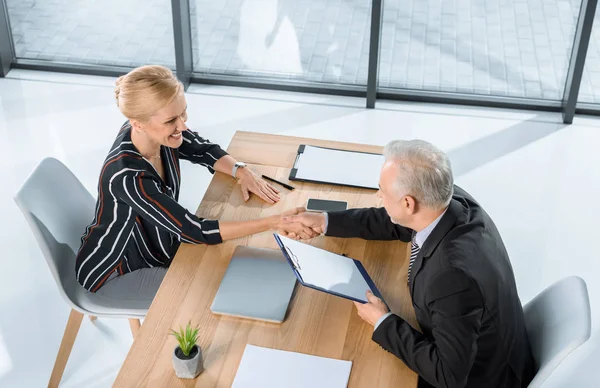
[(138, 222)]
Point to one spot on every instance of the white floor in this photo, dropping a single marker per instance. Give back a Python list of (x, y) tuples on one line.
[(536, 177)]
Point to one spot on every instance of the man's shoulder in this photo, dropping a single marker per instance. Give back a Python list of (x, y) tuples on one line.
[(471, 216), (462, 195)]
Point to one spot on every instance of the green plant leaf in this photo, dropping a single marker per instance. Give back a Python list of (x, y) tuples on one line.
[(186, 338)]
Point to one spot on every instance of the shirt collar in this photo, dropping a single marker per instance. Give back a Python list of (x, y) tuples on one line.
[(421, 236)]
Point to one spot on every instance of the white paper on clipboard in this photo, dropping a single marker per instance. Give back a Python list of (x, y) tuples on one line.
[(327, 271), (347, 168)]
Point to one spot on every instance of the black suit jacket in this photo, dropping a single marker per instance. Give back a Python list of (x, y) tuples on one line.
[(464, 295)]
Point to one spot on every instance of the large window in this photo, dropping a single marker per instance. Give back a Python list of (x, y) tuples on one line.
[(590, 83), (307, 40), (103, 32), (508, 53), (516, 48)]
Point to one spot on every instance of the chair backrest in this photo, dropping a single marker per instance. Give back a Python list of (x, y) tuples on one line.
[(558, 321), (58, 208)]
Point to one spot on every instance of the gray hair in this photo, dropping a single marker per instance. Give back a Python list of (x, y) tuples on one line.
[(424, 172)]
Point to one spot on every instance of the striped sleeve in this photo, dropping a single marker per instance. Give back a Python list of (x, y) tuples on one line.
[(142, 192), (200, 151)]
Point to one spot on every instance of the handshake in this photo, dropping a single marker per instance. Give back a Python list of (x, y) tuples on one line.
[(300, 224)]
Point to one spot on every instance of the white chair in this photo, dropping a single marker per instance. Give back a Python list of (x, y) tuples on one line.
[(58, 208), (558, 321)]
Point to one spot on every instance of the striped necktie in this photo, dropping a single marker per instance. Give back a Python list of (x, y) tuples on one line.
[(414, 251)]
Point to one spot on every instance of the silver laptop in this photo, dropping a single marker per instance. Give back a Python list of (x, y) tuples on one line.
[(258, 284)]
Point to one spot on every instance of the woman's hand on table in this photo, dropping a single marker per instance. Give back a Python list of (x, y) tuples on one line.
[(252, 183)]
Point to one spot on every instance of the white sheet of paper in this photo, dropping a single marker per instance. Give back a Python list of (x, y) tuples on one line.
[(341, 167), (327, 270), (271, 368)]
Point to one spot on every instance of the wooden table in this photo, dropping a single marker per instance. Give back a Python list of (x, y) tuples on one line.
[(317, 323)]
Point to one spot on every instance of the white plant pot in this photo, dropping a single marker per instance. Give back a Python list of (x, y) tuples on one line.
[(187, 368)]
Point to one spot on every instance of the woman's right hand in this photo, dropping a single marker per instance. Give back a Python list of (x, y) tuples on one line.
[(288, 227), (315, 221)]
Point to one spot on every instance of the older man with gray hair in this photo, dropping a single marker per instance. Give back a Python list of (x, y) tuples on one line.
[(459, 276)]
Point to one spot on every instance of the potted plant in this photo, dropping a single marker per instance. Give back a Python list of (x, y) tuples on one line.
[(187, 358)]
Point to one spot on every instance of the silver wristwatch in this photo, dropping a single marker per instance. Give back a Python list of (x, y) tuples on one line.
[(235, 168)]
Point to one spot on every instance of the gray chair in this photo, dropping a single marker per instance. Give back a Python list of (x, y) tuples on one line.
[(558, 321), (58, 208)]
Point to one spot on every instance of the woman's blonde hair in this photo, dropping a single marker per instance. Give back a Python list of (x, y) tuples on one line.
[(145, 90)]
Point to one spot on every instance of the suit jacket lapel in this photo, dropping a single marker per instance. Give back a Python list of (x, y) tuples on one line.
[(448, 220)]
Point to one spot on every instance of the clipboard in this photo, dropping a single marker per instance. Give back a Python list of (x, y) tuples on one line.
[(337, 167), (357, 295)]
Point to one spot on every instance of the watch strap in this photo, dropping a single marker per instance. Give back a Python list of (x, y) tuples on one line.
[(236, 167)]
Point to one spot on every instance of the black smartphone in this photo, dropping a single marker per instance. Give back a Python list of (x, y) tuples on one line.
[(324, 205)]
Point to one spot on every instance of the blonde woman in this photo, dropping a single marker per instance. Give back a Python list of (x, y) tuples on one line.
[(138, 225)]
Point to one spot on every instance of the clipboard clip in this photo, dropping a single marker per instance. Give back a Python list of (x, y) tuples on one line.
[(296, 161), (294, 259)]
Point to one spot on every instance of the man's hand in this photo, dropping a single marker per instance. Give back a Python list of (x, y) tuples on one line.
[(252, 183), (315, 221), (372, 311), (292, 229)]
